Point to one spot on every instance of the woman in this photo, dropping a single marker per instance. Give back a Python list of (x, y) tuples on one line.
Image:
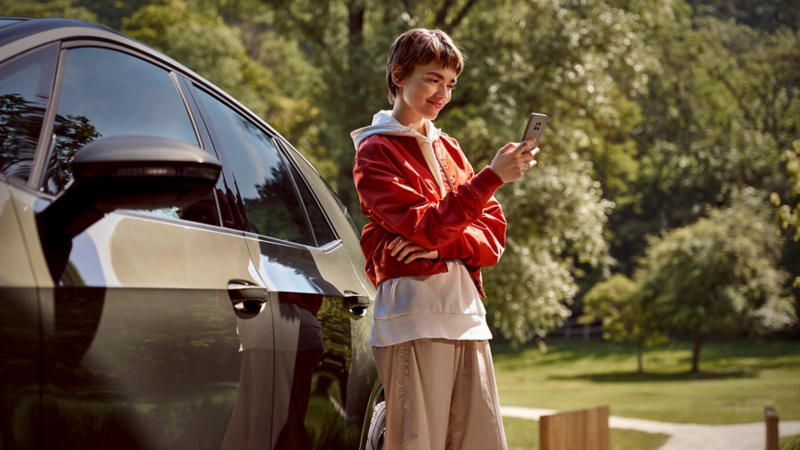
[(433, 223)]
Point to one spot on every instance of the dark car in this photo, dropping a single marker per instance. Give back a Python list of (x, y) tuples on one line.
[(174, 274)]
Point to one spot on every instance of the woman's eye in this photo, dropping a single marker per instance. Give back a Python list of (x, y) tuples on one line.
[(451, 87)]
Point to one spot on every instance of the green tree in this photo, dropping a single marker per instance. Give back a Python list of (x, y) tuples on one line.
[(52, 8), (786, 214), (722, 102), (623, 314), (561, 58), (718, 276), (213, 49)]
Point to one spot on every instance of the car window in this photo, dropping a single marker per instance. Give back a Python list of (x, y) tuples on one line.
[(319, 223), (342, 207), (318, 183), (109, 93), (25, 85), (268, 196)]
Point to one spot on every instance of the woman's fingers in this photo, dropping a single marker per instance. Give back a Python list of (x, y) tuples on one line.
[(528, 145), (398, 243), (528, 162), (528, 157), (509, 147), (413, 256), (408, 249), (422, 254), (402, 248), (530, 166), (394, 242)]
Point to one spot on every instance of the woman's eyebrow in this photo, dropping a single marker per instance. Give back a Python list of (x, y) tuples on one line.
[(438, 75)]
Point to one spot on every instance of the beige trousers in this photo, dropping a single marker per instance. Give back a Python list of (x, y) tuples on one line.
[(440, 394)]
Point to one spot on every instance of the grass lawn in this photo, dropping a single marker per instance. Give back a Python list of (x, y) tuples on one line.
[(786, 443), (736, 380), (523, 434)]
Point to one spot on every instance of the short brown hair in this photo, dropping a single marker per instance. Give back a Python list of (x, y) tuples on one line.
[(418, 47)]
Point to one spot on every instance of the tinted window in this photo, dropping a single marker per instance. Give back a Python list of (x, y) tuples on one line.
[(25, 85), (342, 207), (109, 93), (319, 223), (265, 186)]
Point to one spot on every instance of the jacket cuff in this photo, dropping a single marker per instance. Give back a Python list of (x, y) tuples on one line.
[(485, 183), (459, 248)]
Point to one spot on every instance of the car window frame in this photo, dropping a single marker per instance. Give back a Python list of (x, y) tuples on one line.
[(46, 146), (30, 183), (276, 139), (288, 152)]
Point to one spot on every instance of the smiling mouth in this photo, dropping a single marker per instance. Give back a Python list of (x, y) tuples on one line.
[(437, 105)]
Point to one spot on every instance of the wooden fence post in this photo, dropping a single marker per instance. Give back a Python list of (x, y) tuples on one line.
[(576, 430), (771, 417)]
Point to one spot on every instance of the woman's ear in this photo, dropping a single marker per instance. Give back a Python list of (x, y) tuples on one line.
[(397, 71)]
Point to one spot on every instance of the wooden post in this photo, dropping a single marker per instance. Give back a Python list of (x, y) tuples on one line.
[(771, 417), (567, 329), (576, 430), (586, 332)]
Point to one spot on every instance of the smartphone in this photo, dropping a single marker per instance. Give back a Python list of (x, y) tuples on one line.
[(535, 127)]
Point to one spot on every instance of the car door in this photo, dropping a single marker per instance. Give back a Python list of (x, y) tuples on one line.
[(321, 305), (26, 82), (362, 384), (19, 330), (140, 328)]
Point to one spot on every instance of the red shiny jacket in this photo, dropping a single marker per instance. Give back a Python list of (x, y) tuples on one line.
[(399, 196)]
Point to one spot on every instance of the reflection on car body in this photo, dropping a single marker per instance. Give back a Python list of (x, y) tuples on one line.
[(148, 307)]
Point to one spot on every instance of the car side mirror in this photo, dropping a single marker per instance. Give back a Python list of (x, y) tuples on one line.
[(123, 172)]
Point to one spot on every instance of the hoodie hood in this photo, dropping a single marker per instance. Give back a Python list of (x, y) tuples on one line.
[(384, 124)]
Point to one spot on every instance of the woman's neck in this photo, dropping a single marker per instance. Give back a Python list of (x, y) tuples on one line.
[(402, 114)]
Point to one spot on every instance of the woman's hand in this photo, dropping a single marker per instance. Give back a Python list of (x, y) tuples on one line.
[(513, 160), (405, 249)]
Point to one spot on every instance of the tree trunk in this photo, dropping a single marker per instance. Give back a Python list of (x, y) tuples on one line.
[(639, 356), (698, 341)]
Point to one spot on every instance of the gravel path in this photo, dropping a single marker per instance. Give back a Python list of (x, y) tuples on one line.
[(683, 436)]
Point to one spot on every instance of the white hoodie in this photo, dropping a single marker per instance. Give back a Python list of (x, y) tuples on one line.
[(445, 305), (383, 123)]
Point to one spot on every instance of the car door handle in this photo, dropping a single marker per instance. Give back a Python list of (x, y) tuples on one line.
[(356, 303), (247, 298)]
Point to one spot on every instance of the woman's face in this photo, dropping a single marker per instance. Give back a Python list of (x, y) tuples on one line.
[(426, 90)]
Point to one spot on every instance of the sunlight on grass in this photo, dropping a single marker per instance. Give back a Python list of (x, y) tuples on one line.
[(786, 443), (736, 380), (523, 434)]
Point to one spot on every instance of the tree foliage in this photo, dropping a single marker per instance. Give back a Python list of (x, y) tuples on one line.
[(787, 215), (660, 110), (722, 104), (624, 315), (718, 276), (215, 50), (47, 8)]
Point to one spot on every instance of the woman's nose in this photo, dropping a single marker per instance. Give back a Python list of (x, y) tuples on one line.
[(443, 92)]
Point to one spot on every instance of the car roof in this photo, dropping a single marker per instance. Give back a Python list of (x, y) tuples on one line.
[(9, 20)]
